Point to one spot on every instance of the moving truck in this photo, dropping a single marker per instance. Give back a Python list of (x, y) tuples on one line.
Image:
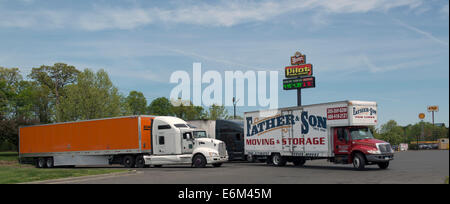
[(229, 131), (133, 141), (337, 131)]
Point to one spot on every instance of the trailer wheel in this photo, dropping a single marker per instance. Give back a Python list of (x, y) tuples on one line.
[(359, 162), (199, 161), (140, 162), (49, 162), (40, 163), (278, 160), (383, 165), (128, 161)]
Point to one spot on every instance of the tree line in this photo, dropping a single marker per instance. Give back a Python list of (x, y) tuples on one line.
[(422, 131), (61, 93)]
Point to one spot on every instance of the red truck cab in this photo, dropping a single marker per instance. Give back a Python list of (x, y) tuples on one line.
[(356, 145)]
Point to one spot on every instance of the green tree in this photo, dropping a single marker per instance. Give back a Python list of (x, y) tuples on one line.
[(93, 96), (137, 102), (10, 79), (5, 94), (187, 111), (161, 106), (42, 103), (392, 132), (217, 112), (55, 78)]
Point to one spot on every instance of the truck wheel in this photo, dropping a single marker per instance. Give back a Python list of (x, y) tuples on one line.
[(299, 162), (359, 162), (278, 160), (250, 158), (128, 161), (40, 163), (140, 162), (199, 161), (217, 164), (383, 165), (49, 162)]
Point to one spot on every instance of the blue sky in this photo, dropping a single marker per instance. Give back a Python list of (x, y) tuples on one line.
[(392, 52)]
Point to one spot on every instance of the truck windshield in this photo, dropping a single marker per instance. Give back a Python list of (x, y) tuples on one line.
[(360, 133), (200, 134)]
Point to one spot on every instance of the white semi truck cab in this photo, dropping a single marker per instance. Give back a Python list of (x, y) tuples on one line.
[(175, 142)]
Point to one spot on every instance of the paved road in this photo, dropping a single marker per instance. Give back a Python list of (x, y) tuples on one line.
[(408, 167)]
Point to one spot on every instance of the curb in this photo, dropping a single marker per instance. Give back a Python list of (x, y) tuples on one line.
[(83, 178)]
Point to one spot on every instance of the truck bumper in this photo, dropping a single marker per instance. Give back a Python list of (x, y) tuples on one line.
[(213, 160), (377, 158)]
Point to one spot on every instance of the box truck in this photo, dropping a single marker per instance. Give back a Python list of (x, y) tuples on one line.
[(133, 141), (229, 131), (337, 131)]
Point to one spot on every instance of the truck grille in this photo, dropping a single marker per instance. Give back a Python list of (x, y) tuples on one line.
[(222, 149), (385, 148)]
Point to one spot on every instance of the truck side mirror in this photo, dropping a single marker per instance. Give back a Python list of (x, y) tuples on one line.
[(190, 137)]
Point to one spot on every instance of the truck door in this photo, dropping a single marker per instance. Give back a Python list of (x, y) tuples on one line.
[(187, 143), (342, 141)]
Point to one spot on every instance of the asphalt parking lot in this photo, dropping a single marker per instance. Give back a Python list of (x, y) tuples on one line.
[(415, 167)]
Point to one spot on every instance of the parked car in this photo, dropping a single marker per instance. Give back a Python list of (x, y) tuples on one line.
[(425, 146)]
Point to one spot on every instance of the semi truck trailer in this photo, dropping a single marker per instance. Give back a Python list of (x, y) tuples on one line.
[(132, 141), (338, 131), (229, 131)]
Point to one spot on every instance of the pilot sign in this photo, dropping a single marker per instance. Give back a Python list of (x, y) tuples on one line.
[(299, 76), (298, 70)]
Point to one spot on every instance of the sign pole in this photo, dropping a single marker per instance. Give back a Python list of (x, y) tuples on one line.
[(421, 117), (433, 109), (432, 116), (299, 97)]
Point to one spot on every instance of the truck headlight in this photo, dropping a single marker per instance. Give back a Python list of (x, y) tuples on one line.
[(213, 154), (376, 151)]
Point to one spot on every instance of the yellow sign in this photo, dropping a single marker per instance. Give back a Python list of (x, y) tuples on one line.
[(433, 108), (298, 70), (422, 115)]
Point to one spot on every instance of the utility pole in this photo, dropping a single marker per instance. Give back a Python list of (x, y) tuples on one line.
[(234, 105), (299, 97)]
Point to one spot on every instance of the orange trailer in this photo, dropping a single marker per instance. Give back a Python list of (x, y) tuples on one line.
[(102, 141)]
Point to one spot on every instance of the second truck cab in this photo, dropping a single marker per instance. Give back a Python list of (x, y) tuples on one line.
[(175, 142)]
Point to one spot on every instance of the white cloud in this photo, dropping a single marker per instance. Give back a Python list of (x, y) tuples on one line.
[(224, 13), (422, 32)]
